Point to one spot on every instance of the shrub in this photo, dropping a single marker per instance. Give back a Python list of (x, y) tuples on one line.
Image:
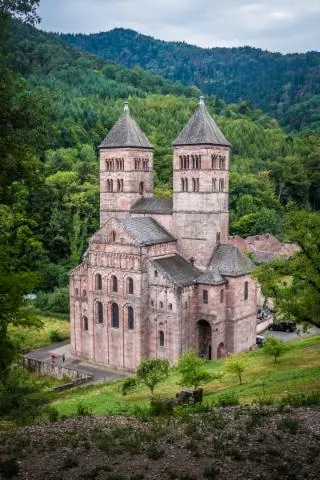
[(161, 406), (274, 347), (9, 468), (69, 462), (56, 301), (227, 399), (289, 424), (53, 414), (236, 364), (56, 336), (192, 370), (301, 399), (83, 411), (154, 452), (22, 398)]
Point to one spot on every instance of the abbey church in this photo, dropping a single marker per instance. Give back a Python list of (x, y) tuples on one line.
[(161, 275)]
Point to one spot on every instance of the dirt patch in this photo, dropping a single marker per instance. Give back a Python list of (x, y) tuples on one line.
[(230, 443)]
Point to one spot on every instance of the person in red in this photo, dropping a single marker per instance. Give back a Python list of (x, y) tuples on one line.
[(53, 357)]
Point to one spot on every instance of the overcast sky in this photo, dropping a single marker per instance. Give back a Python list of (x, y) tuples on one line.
[(276, 25)]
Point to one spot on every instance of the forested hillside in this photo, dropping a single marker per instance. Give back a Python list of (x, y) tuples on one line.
[(284, 86), (51, 198)]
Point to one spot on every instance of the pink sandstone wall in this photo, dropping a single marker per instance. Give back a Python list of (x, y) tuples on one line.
[(119, 203), (199, 216)]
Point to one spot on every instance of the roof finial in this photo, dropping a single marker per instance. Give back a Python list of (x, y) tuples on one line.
[(126, 106), (201, 100)]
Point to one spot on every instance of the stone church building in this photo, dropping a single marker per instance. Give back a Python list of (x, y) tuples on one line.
[(161, 275)]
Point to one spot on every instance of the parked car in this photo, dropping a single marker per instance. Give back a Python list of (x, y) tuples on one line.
[(283, 327), (260, 341)]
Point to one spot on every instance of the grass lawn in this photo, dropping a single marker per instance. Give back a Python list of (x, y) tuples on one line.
[(297, 372), (32, 338)]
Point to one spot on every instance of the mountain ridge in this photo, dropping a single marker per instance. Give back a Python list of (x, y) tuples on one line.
[(283, 85)]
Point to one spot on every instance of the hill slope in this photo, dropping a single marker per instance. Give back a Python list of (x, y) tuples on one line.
[(286, 86)]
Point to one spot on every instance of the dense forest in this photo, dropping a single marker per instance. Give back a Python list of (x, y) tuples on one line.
[(59, 103), (284, 86)]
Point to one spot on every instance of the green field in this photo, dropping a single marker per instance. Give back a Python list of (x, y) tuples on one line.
[(32, 338), (298, 372)]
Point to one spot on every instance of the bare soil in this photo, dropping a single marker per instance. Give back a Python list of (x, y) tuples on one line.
[(265, 443)]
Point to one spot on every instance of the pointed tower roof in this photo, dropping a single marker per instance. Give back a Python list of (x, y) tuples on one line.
[(201, 129), (126, 133)]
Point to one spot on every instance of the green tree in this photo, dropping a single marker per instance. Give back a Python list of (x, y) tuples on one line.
[(294, 283), (236, 364), (192, 370), (149, 373), (274, 347)]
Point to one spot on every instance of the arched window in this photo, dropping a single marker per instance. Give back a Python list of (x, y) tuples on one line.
[(76, 292), (84, 293), (193, 160), (181, 162), (141, 188), (205, 296), (246, 291), (193, 185), (130, 285), (152, 303), (98, 282), (161, 338), (113, 235), (160, 304), (221, 296), (218, 237), (185, 184), (214, 184), (115, 315), (214, 161), (197, 184), (118, 185), (114, 283), (182, 184), (170, 306), (99, 312), (130, 318), (85, 324), (221, 184)]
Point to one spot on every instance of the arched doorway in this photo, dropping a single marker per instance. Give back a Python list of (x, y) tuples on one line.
[(221, 352), (204, 339)]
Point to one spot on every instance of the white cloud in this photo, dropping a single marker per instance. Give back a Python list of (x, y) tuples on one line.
[(283, 25)]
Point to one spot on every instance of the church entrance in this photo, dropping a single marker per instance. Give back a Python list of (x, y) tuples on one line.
[(204, 339)]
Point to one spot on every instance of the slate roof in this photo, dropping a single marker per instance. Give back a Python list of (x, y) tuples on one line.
[(230, 261), (178, 269), (126, 133), (201, 129), (152, 205), (145, 230), (211, 277)]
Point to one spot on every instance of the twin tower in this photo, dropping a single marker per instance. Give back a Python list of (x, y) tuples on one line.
[(197, 214)]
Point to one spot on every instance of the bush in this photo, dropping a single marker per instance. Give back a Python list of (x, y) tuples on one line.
[(53, 414), (301, 399), (56, 336), (21, 398), (274, 347), (56, 301), (192, 370), (9, 468), (83, 411), (227, 399), (161, 407)]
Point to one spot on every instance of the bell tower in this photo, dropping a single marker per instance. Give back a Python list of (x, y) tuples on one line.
[(126, 165), (201, 158)]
